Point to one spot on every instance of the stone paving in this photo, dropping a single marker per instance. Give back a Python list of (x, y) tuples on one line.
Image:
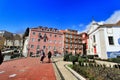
[(31, 69), (27, 69), (61, 66)]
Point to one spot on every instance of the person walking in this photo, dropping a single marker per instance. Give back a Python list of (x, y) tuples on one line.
[(42, 56), (1, 57), (49, 56)]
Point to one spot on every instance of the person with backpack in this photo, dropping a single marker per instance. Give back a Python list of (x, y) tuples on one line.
[(42, 55)]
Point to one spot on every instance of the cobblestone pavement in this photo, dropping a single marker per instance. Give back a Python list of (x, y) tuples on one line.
[(64, 71), (27, 69)]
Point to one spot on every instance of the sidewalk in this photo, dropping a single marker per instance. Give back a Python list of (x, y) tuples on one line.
[(27, 69), (64, 71)]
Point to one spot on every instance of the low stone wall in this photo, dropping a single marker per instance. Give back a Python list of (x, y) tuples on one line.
[(108, 64)]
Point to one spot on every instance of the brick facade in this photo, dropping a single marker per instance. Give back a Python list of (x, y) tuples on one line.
[(72, 41), (47, 39)]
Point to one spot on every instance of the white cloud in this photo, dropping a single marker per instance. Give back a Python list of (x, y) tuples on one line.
[(114, 18), (79, 27)]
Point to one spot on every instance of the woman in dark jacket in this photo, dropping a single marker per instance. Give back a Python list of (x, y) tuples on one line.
[(42, 56)]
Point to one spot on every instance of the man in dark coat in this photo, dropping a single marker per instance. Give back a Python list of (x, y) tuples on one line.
[(49, 56), (1, 57)]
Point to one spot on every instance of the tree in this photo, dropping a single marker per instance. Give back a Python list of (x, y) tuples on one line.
[(2, 40), (26, 33), (18, 38), (8, 37)]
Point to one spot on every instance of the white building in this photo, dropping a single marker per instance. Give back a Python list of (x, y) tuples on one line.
[(104, 40), (11, 39), (8, 38)]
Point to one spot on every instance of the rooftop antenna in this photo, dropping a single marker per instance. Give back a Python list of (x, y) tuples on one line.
[(93, 21)]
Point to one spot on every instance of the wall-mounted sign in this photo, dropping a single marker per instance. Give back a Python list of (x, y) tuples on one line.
[(119, 41), (113, 54)]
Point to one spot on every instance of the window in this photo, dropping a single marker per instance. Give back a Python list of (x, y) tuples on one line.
[(94, 40), (38, 39), (45, 38), (50, 41), (66, 46), (70, 41), (40, 36), (55, 35), (38, 46), (66, 35), (66, 40), (33, 33), (31, 53), (54, 48), (32, 46), (49, 47), (33, 39), (70, 36), (110, 39), (43, 47)]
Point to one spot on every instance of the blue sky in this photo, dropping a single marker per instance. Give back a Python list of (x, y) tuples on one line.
[(17, 15)]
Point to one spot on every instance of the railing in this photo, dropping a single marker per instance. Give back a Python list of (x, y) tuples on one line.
[(5, 52)]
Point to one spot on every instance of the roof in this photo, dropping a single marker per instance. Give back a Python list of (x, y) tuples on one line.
[(110, 25)]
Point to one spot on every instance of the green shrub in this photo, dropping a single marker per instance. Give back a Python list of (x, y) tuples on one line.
[(70, 65), (117, 60), (66, 57), (73, 59), (98, 73), (90, 56), (82, 59)]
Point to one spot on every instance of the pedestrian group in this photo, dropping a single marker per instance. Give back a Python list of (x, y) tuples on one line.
[(42, 56)]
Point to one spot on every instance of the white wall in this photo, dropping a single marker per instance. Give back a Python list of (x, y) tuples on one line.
[(114, 49)]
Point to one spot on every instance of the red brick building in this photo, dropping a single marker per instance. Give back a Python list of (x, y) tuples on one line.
[(72, 41), (47, 39)]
